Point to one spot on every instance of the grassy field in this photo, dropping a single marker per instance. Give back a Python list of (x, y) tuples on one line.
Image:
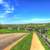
[(6, 31), (48, 34), (11, 31), (24, 44)]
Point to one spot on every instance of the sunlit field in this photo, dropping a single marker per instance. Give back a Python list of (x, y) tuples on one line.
[(25, 43)]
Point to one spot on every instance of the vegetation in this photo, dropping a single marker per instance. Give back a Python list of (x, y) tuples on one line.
[(44, 44), (25, 44), (48, 33), (2, 31), (7, 28)]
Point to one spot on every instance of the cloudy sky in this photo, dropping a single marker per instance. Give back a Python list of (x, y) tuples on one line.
[(24, 11)]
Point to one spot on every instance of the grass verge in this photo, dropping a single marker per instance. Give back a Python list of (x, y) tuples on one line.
[(25, 44), (43, 43)]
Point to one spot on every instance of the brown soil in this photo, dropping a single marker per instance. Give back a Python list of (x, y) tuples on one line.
[(8, 39), (12, 45)]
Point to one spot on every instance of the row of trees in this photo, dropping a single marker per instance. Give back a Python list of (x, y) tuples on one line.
[(29, 27)]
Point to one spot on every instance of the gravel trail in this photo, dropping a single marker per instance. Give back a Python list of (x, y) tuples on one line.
[(9, 39)]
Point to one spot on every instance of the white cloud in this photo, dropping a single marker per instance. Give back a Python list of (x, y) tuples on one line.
[(12, 8), (8, 8), (36, 20), (1, 1), (40, 19)]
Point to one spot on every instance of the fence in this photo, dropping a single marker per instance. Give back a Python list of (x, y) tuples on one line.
[(45, 38)]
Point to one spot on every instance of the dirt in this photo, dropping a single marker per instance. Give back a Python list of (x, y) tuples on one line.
[(8, 39), (36, 44), (15, 43), (2, 36)]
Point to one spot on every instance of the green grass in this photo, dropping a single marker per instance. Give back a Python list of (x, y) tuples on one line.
[(48, 36), (11, 31), (7, 31), (25, 44), (42, 40), (44, 44), (48, 33)]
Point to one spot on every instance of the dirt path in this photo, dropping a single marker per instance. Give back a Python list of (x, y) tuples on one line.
[(13, 44), (36, 44), (9, 39), (2, 36)]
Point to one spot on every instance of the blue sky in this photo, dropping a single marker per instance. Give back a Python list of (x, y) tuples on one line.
[(24, 11)]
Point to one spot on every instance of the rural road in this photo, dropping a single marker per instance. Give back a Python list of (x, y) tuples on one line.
[(7, 39)]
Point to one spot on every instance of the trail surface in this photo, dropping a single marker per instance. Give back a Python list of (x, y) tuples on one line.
[(36, 44), (8, 39), (15, 43)]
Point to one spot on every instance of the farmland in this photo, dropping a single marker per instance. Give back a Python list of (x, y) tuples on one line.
[(25, 43)]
